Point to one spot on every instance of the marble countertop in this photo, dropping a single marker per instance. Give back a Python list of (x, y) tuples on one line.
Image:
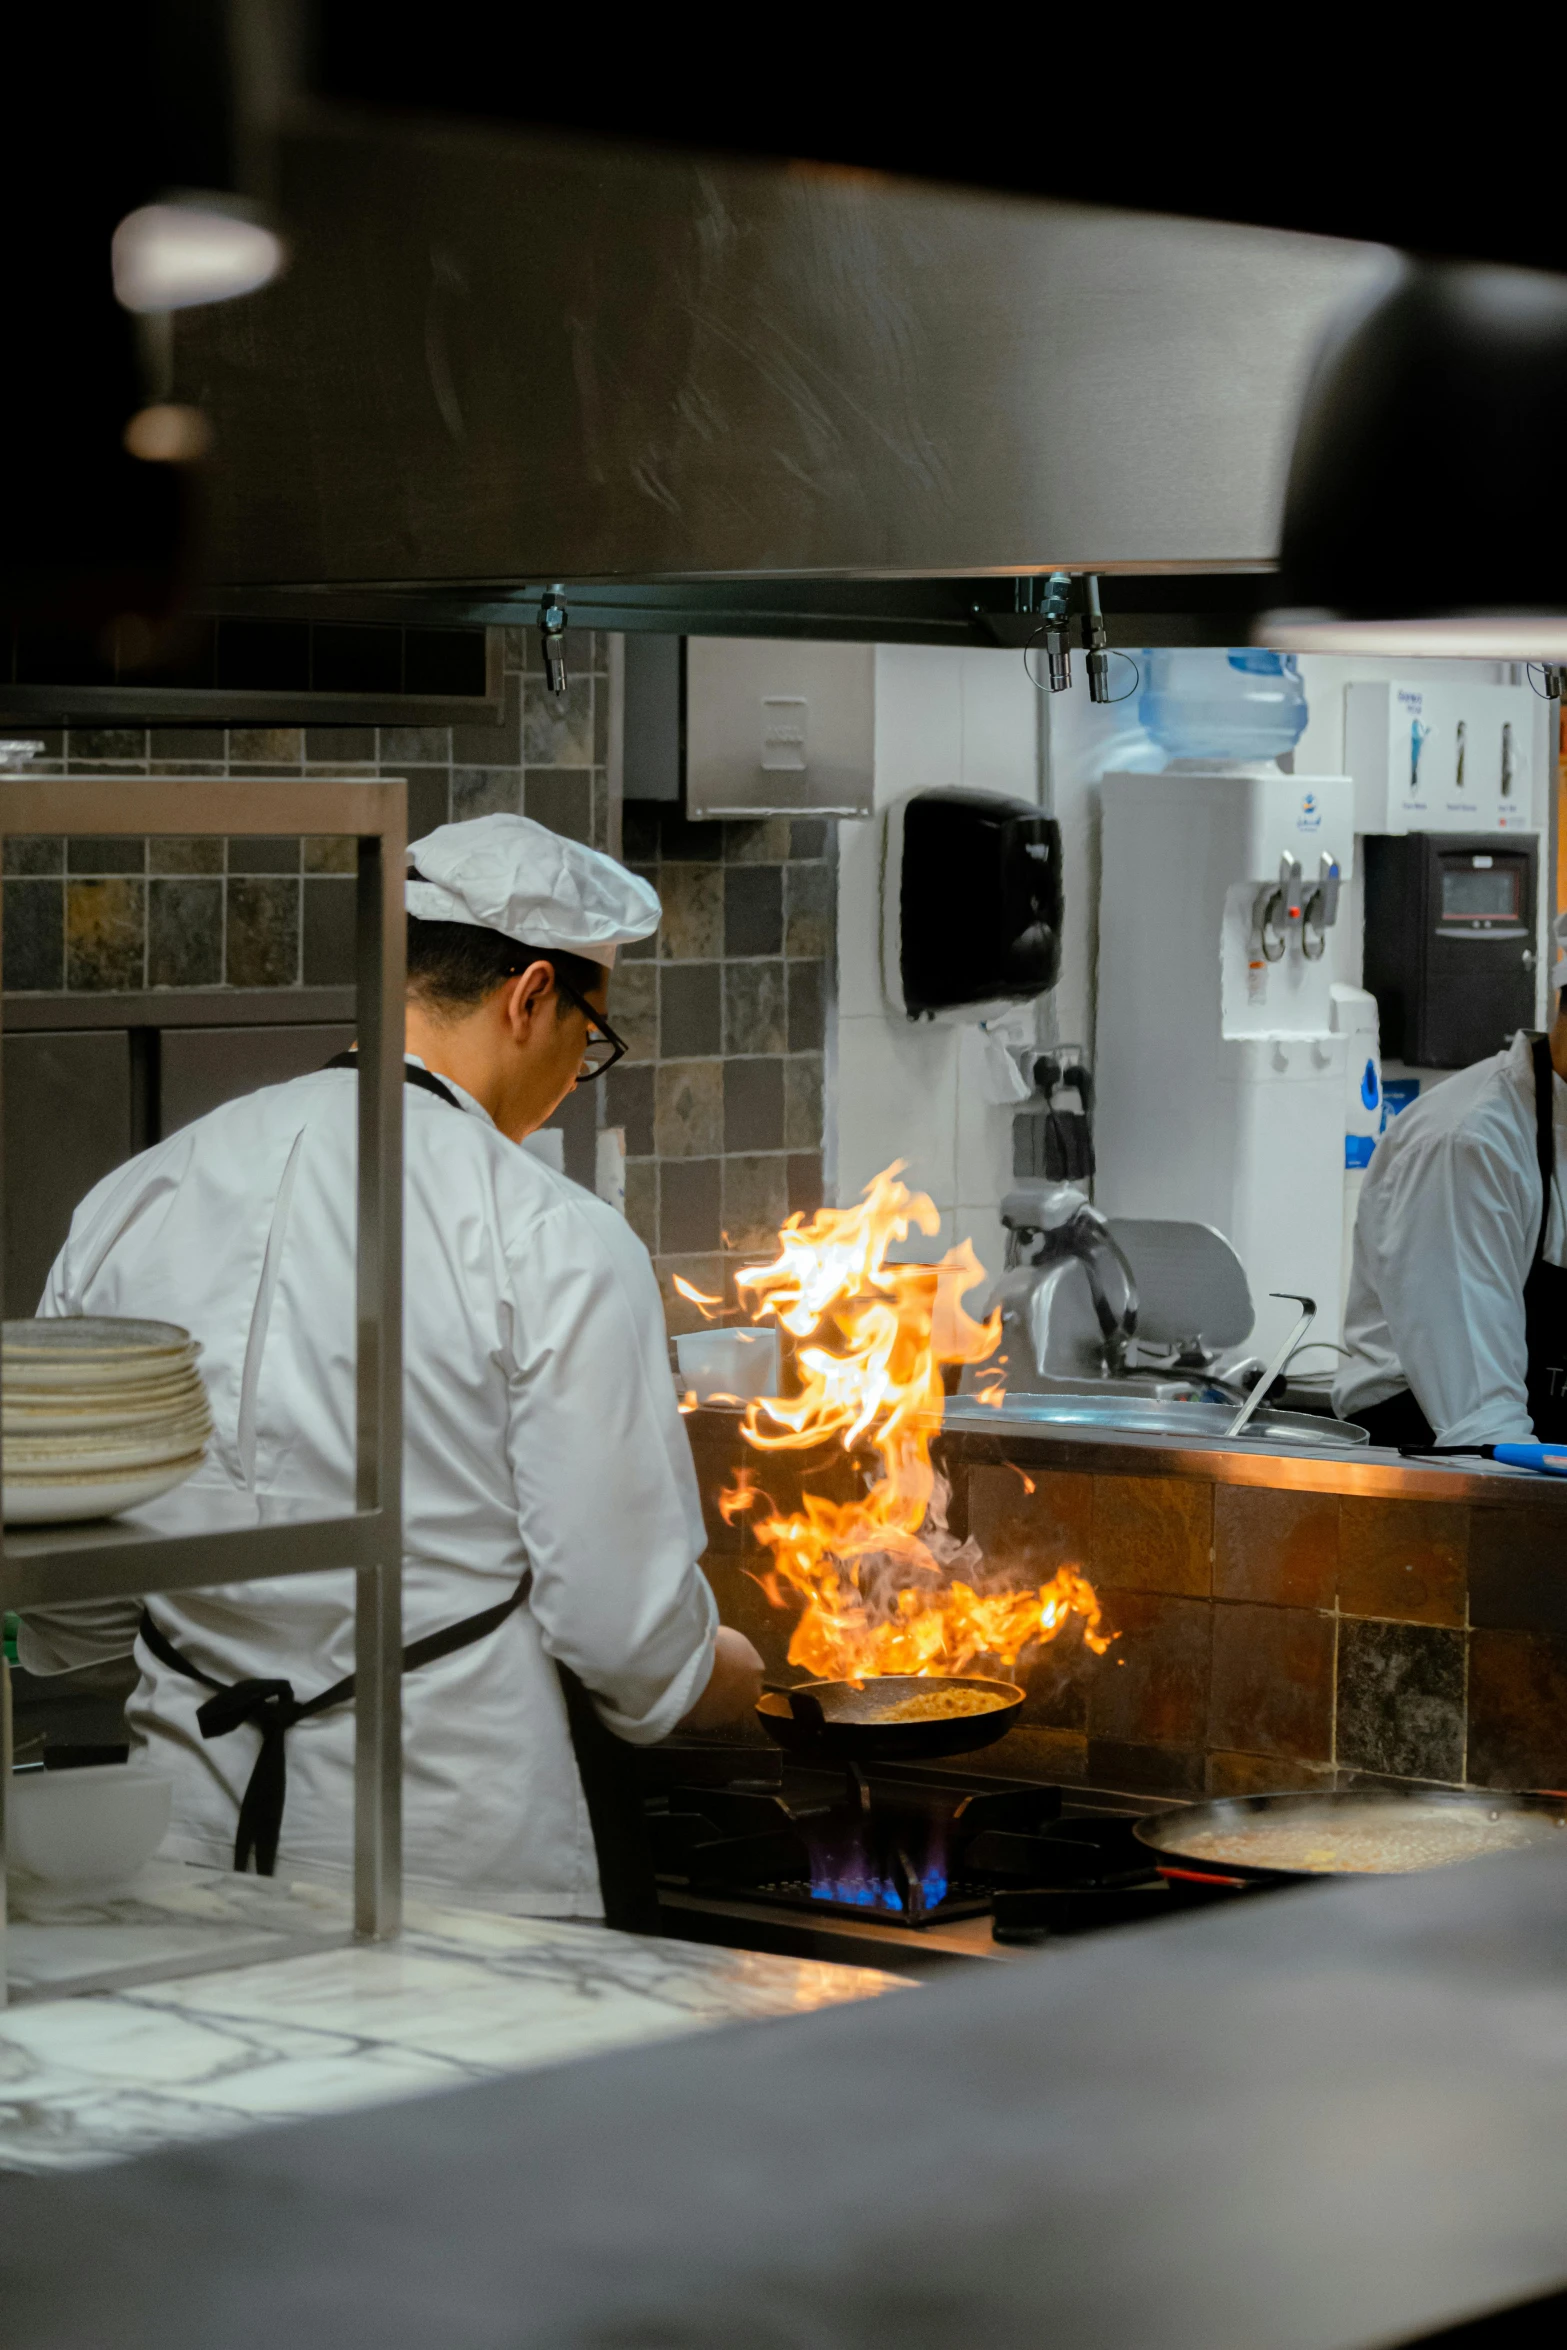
[(289, 2018)]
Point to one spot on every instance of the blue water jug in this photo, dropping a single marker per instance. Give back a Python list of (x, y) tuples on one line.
[(1206, 703)]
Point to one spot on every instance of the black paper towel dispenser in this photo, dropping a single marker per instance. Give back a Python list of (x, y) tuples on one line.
[(971, 908)]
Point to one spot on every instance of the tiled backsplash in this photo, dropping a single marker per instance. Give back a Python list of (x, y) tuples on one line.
[(725, 1012), (95, 915), (1266, 1639)]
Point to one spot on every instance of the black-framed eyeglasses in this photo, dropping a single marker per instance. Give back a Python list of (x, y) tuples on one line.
[(603, 1048)]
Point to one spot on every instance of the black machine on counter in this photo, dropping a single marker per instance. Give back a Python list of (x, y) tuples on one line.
[(1450, 943)]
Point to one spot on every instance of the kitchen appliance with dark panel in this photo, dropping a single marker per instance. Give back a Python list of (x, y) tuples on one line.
[(1450, 942)]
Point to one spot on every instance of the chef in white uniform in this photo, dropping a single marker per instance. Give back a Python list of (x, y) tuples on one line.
[(544, 1449), (1456, 1323)]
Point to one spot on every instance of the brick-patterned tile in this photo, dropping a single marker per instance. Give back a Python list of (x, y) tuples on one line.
[(1272, 1681), (1518, 1568), (1151, 1688), (1401, 1700), (1517, 1709), (1278, 1547), (1408, 1560), (105, 932), (34, 936), (1153, 1534), (1031, 1533), (692, 930)]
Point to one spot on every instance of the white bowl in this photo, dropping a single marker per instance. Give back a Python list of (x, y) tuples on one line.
[(77, 1352), (73, 1498), (95, 1826), (733, 1363)]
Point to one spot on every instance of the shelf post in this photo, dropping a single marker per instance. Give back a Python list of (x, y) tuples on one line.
[(5, 1807), (378, 1639), (375, 813)]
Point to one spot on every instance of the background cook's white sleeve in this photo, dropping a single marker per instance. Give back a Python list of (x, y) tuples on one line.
[(1455, 1235), (607, 1499)]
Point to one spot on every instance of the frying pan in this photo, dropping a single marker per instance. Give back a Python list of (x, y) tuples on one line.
[(839, 1720), (1169, 1833)]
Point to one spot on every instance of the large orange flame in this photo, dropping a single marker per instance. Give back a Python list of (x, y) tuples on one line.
[(887, 1588)]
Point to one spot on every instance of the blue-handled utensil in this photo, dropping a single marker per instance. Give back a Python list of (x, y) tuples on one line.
[(1549, 1459)]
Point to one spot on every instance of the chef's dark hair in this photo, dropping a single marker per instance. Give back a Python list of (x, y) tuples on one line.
[(453, 966)]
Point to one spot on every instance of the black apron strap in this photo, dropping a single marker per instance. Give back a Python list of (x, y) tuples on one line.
[(1544, 1134), (605, 1763), (274, 1709), (411, 1076)]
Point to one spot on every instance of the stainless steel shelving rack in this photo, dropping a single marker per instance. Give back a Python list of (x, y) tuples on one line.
[(121, 1559)]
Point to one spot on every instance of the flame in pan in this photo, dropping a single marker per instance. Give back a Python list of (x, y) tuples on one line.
[(885, 1586)]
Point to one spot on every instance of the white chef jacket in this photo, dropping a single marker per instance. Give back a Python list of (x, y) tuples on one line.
[(1444, 1238), (541, 1429)]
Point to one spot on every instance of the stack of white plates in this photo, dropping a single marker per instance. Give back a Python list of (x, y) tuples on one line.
[(96, 1416)]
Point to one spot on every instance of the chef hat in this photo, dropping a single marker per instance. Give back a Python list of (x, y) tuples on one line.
[(505, 873)]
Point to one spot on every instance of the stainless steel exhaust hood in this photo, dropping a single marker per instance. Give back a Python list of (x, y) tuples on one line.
[(501, 360)]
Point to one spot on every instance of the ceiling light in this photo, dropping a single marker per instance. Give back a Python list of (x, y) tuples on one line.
[(1417, 518), (168, 434), (174, 256)]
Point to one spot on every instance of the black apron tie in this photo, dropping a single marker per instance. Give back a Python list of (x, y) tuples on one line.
[(274, 1709)]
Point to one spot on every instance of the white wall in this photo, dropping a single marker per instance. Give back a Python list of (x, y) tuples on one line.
[(900, 1089), (1320, 751), (1082, 743), (975, 720)]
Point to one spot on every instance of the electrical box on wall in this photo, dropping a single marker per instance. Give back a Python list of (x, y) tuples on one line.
[(779, 727), (1441, 758)]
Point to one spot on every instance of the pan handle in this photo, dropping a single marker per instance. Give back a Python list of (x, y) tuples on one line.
[(806, 1709)]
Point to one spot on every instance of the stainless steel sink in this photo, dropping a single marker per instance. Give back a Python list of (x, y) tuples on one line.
[(1127, 1405)]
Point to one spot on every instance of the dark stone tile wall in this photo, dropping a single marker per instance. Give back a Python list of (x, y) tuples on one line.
[(721, 1096), (725, 1012), (89, 916), (1264, 1640)]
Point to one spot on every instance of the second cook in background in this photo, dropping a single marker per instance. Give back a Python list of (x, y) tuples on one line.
[(1457, 1318)]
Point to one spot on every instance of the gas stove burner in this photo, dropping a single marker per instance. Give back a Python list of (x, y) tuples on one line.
[(904, 1850), (935, 1902)]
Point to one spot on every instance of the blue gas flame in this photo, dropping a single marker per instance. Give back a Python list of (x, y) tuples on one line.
[(859, 1890)]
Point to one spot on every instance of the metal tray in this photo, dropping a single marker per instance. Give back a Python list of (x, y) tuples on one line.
[(1204, 1423)]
